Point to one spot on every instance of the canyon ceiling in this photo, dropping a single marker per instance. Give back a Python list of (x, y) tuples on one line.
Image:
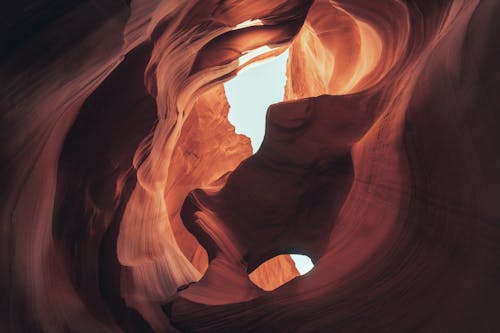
[(129, 204)]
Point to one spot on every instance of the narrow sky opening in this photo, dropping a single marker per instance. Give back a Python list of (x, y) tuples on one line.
[(303, 263), (249, 94)]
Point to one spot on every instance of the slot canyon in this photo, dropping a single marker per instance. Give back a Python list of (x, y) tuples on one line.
[(130, 203)]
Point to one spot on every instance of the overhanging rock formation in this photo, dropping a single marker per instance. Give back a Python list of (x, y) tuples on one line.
[(129, 203)]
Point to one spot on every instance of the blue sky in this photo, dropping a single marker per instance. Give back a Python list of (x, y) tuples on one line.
[(249, 94)]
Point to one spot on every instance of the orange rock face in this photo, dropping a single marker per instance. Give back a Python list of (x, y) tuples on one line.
[(130, 204)]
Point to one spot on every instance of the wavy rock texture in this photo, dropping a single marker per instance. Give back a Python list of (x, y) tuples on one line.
[(129, 203)]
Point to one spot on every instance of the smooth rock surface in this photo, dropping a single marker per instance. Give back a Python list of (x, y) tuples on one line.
[(129, 204)]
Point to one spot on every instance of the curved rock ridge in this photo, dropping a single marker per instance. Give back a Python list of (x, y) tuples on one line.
[(294, 186), (129, 203), (402, 236)]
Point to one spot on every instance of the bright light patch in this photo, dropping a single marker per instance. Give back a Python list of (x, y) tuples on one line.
[(302, 263), (246, 57), (251, 92), (248, 23)]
